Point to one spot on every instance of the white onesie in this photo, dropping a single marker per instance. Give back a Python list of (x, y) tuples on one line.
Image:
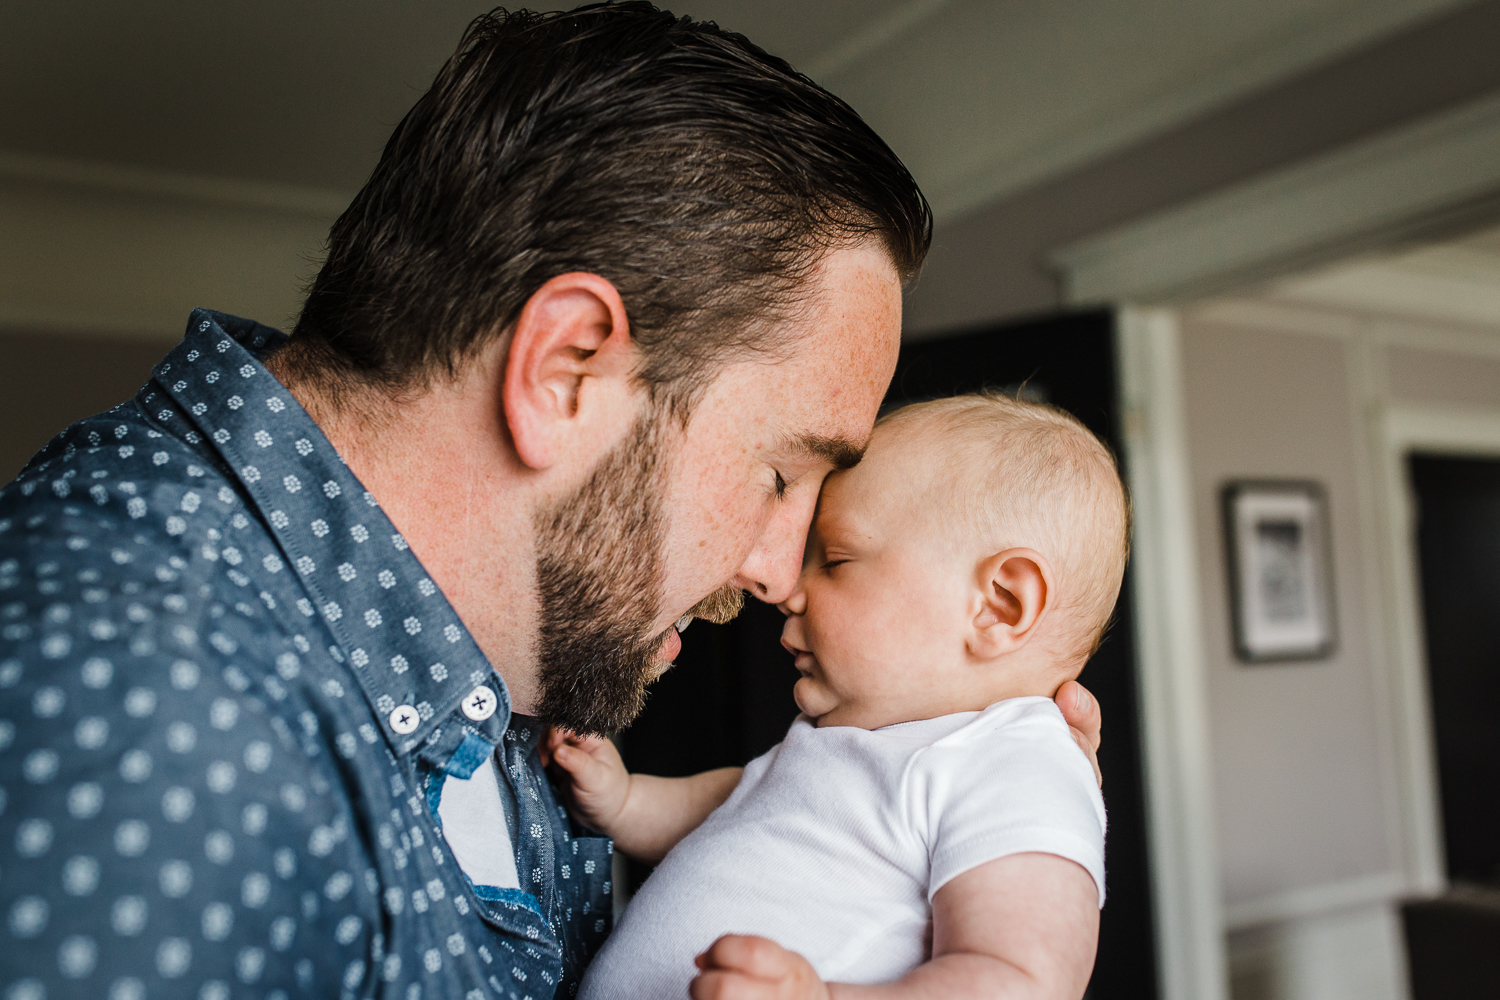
[(835, 841)]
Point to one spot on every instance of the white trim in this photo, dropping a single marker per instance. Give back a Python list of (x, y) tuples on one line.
[(1174, 704), (1325, 206), (295, 199), (1408, 800), (1453, 430), (1274, 58), (1315, 900)]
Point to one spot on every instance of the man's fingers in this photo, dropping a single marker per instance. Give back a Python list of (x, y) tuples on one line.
[(1081, 711), (1088, 751)]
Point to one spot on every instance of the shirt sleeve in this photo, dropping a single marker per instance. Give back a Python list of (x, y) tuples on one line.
[(1015, 783)]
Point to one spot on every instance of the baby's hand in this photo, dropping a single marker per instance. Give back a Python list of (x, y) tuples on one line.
[(597, 779), (739, 967)]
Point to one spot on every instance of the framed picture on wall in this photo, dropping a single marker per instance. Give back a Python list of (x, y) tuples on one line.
[(1280, 570)]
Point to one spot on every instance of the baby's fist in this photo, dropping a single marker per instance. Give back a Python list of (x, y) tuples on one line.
[(740, 967), (597, 782)]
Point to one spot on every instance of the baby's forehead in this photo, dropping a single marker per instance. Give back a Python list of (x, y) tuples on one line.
[(901, 462)]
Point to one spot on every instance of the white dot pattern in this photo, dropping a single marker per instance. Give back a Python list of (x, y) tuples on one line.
[(205, 625)]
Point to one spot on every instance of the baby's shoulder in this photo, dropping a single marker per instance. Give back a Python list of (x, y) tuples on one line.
[(1028, 720), (1011, 741)]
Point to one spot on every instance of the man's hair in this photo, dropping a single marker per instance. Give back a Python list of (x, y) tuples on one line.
[(702, 177), (1024, 473)]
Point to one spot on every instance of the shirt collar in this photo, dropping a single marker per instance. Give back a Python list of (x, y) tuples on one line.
[(329, 527)]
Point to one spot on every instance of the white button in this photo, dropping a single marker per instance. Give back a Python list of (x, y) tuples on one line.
[(480, 703), (405, 719)]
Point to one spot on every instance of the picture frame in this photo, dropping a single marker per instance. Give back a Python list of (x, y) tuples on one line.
[(1280, 564)]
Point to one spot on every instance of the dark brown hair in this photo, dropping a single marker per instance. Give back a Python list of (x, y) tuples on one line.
[(701, 176)]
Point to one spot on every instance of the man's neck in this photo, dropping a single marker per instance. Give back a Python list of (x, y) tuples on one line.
[(439, 466)]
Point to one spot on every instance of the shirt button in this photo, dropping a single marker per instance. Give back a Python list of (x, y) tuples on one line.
[(405, 720), (479, 704)]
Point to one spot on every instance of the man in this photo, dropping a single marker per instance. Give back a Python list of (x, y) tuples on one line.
[(280, 634)]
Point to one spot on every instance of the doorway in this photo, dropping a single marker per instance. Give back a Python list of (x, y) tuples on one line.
[(729, 698), (1457, 503), (1456, 500)]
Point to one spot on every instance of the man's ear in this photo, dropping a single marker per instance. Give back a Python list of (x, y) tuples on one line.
[(1015, 592), (568, 369)]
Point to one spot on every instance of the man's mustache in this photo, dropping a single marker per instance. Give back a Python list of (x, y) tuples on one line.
[(720, 606)]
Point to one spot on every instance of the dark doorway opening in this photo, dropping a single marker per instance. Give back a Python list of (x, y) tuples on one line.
[(729, 698), (1458, 544), (1451, 940)]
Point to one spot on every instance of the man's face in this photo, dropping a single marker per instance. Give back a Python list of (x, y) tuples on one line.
[(744, 482), (673, 517)]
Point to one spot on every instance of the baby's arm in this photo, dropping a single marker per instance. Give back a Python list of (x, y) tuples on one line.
[(1022, 926), (645, 815)]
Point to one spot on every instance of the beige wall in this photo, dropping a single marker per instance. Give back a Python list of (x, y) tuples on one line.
[(1296, 754), (1442, 377)]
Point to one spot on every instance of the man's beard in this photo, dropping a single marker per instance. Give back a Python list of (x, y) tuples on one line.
[(599, 580)]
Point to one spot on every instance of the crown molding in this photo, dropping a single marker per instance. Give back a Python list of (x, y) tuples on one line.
[(1436, 172)]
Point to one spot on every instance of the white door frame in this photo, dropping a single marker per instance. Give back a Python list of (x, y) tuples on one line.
[(1169, 657)]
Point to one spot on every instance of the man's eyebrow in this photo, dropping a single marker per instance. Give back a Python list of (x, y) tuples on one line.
[(841, 452)]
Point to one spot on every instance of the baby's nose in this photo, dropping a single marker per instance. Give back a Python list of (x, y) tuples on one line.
[(795, 603)]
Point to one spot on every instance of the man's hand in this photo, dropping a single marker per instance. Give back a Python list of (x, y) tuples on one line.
[(739, 967), (1082, 714), (598, 784)]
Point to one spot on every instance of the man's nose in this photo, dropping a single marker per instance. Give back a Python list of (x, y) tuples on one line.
[(771, 569)]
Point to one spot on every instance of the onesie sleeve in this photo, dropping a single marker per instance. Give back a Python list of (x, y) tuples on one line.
[(1012, 782)]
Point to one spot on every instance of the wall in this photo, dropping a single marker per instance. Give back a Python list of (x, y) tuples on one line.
[(1297, 761), (97, 280), (1309, 788), (49, 380), (103, 257)]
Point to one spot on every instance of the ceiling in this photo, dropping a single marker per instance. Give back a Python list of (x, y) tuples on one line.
[(980, 97), (1456, 281)]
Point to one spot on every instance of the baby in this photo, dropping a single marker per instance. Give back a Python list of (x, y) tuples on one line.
[(928, 824)]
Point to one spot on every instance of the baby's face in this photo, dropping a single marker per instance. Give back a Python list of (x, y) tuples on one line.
[(882, 610)]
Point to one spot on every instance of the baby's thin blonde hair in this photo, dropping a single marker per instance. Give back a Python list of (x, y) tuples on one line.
[(1019, 473)]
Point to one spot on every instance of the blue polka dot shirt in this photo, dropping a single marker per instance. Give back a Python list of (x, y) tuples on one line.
[(229, 697)]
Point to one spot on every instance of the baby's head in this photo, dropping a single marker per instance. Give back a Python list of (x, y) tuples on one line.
[(974, 554)]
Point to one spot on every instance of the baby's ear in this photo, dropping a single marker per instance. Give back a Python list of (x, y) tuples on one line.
[(1014, 592)]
